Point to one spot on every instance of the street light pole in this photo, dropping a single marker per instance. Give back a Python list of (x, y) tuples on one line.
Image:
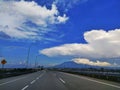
[(28, 56), (36, 61)]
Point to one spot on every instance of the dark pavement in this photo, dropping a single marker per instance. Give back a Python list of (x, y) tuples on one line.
[(53, 80)]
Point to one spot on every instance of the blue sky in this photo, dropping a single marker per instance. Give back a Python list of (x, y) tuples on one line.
[(60, 31)]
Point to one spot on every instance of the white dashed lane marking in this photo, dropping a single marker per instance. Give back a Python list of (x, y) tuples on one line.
[(25, 87), (62, 80), (33, 82)]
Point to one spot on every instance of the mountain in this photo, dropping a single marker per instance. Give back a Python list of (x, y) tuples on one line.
[(72, 64)]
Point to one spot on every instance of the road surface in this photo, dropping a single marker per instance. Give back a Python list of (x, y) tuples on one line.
[(53, 80)]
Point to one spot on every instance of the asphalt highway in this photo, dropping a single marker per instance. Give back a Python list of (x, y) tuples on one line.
[(54, 80)]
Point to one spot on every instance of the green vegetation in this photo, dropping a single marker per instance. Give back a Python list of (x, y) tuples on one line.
[(4, 73)]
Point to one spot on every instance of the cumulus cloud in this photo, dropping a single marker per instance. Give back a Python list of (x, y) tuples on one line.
[(88, 62), (100, 44), (62, 19), (16, 16)]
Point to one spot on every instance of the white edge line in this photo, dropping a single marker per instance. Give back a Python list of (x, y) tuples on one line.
[(25, 87), (11, 81), (101, 82), (96, 81)]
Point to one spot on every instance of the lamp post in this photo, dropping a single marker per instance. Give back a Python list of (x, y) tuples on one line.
[(36, 60), (28, 56)]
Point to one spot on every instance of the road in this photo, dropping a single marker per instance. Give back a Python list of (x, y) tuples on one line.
[(54, 80)]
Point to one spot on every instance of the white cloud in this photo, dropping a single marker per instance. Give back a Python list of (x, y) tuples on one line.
[(100, 44), (15, 15), (88, 62), (67, 4), (62, 19)]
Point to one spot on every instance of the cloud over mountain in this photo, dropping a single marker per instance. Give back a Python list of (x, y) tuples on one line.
[(88, 62)]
